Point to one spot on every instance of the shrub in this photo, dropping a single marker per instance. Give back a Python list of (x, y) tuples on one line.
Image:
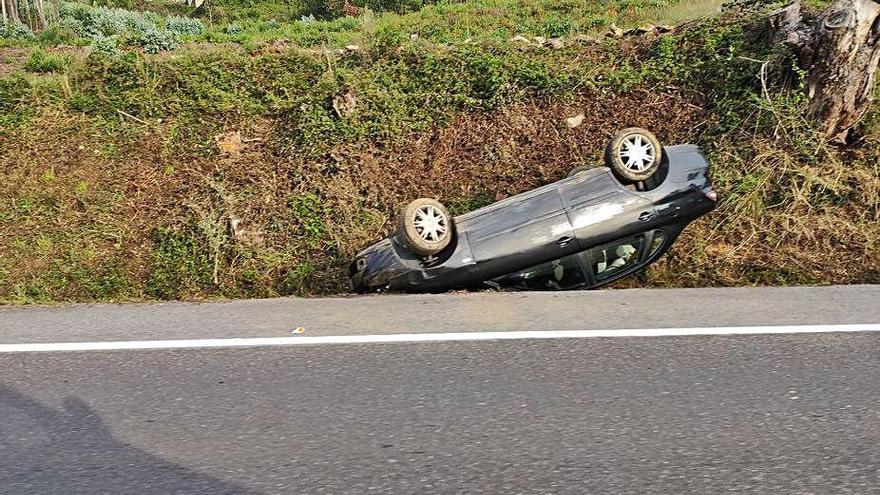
[(270, 25), (233, 28), (57, 35), (73, 24), (184, 26), (154, 41), (104, 45), (43, 61), (556, 26), (16, 30), (107, 21), (137, 28)]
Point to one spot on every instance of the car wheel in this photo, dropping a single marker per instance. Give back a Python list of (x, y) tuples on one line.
[(578, 170), (425, 227), (633, 154)]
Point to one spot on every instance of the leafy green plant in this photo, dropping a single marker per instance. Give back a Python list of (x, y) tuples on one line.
[(309, 212), (154, 41), (179, 262), (557, 26), (15, 30), (146, 30), (104, 45), (184, 26), (42, 61)]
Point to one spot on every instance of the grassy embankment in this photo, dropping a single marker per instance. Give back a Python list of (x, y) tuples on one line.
[(122, 173)]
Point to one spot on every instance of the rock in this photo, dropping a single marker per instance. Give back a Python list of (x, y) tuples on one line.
[(229, 143), (575, 121), (556, 43), (615, 31), (344, 105), (352, 48), (414, 36), (586, 38), (540, 40), (522, 39), (665, 28), (646, 29), (245, 235), (235, 226)]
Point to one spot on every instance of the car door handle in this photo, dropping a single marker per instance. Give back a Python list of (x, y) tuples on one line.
[(646, 215), (564, 241)]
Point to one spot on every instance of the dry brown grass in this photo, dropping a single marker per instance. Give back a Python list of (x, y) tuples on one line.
[(82, 210)]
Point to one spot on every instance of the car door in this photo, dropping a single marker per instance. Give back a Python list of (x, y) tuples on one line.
[(520, 232), (601, 209), (591, 268), (566, 273), (619, 258)]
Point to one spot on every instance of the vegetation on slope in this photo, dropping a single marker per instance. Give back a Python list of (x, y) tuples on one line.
[(259, 165)]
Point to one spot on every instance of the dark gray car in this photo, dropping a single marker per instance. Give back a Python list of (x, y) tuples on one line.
[(583, 231)]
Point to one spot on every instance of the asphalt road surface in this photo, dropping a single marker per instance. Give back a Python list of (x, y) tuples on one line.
[(774, 413)]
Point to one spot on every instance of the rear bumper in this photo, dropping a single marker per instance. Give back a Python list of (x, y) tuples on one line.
[(386, 265), (374, 268)]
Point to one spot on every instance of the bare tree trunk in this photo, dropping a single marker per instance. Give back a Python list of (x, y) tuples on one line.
[(3, 4), (41, 15), (12, 11), (840, 50), (27, 13)]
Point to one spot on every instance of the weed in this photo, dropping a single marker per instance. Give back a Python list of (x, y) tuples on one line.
[(309, 214), (180, 264), (15, 30), (295, 280), (184, 26), (41, 61)]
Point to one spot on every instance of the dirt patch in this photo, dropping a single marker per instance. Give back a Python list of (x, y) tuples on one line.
[(12, 59)]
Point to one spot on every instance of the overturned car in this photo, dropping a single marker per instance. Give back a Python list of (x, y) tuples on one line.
[(589, 229)]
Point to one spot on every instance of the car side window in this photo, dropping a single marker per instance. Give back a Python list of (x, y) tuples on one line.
[(564, 273), (616, 257), (657, 242)]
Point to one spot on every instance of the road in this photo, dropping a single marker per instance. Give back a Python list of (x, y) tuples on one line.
[(773, 413)]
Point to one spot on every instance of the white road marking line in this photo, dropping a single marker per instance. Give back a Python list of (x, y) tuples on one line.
[(431, 337)]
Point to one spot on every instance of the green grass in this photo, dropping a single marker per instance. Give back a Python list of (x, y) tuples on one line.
[(41, 61), (116, 189), (253, 23), (459, 21)]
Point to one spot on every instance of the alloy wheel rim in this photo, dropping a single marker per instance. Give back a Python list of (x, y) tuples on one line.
[(637, 153), (430, 224)]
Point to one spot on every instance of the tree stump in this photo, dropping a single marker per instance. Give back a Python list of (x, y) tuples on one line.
[(840, 50)]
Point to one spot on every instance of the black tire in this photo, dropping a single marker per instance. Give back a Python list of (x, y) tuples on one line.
[(639, 166), (578, 170), (415, 237)]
